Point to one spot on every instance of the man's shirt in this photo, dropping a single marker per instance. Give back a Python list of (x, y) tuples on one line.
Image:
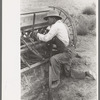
[(59, 30)]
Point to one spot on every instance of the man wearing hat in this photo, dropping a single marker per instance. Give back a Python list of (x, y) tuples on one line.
[(58, 31)]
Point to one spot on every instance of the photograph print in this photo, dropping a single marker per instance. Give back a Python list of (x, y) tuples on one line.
[(58, 49)]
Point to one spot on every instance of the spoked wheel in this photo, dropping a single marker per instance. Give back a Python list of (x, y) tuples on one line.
[(70, 24)]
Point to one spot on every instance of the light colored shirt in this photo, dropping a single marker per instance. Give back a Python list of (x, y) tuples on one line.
[(58, 29)]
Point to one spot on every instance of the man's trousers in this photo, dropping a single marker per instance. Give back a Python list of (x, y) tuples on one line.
[(56, 62)]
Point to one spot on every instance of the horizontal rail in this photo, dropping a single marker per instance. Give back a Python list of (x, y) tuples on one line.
[(34, 12), (36, 26)]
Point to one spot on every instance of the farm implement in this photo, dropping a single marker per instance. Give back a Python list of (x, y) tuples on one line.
[(35, 54)]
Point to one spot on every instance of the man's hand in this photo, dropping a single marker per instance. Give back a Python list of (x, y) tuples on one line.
[(38, 35)]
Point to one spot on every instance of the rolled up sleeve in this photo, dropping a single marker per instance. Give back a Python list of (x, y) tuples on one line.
[(47, 37)]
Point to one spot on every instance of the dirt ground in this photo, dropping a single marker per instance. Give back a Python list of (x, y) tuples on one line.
[(69, 89)]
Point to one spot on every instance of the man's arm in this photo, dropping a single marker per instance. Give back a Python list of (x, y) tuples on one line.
[(47, 37)]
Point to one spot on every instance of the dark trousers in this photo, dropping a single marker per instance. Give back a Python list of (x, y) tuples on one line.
[(55, 68), (62, 58)]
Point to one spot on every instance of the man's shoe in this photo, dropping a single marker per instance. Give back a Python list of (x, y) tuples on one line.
[(91, 75)]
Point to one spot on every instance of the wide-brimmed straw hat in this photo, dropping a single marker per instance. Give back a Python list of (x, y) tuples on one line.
[(52, 13)]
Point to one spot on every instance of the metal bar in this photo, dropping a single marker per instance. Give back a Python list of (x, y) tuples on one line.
[(35, 42), (33, 66), (24, 61), (33, 23), (36, 26), (23, 46), (65, 19), (32, 49), (32, 41), (34, 12), (37, 46)]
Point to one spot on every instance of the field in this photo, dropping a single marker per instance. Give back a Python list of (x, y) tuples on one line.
[(70, 89)]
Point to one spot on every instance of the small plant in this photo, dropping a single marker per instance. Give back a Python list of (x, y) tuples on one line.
[(88, 11), (82, 28), (85, 24)]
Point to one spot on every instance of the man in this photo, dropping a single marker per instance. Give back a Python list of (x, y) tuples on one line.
[(59, 32)]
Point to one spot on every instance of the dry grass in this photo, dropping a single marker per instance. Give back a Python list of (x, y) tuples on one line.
[(82, 25), (88, 11), (86, 24), (86, 21)]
